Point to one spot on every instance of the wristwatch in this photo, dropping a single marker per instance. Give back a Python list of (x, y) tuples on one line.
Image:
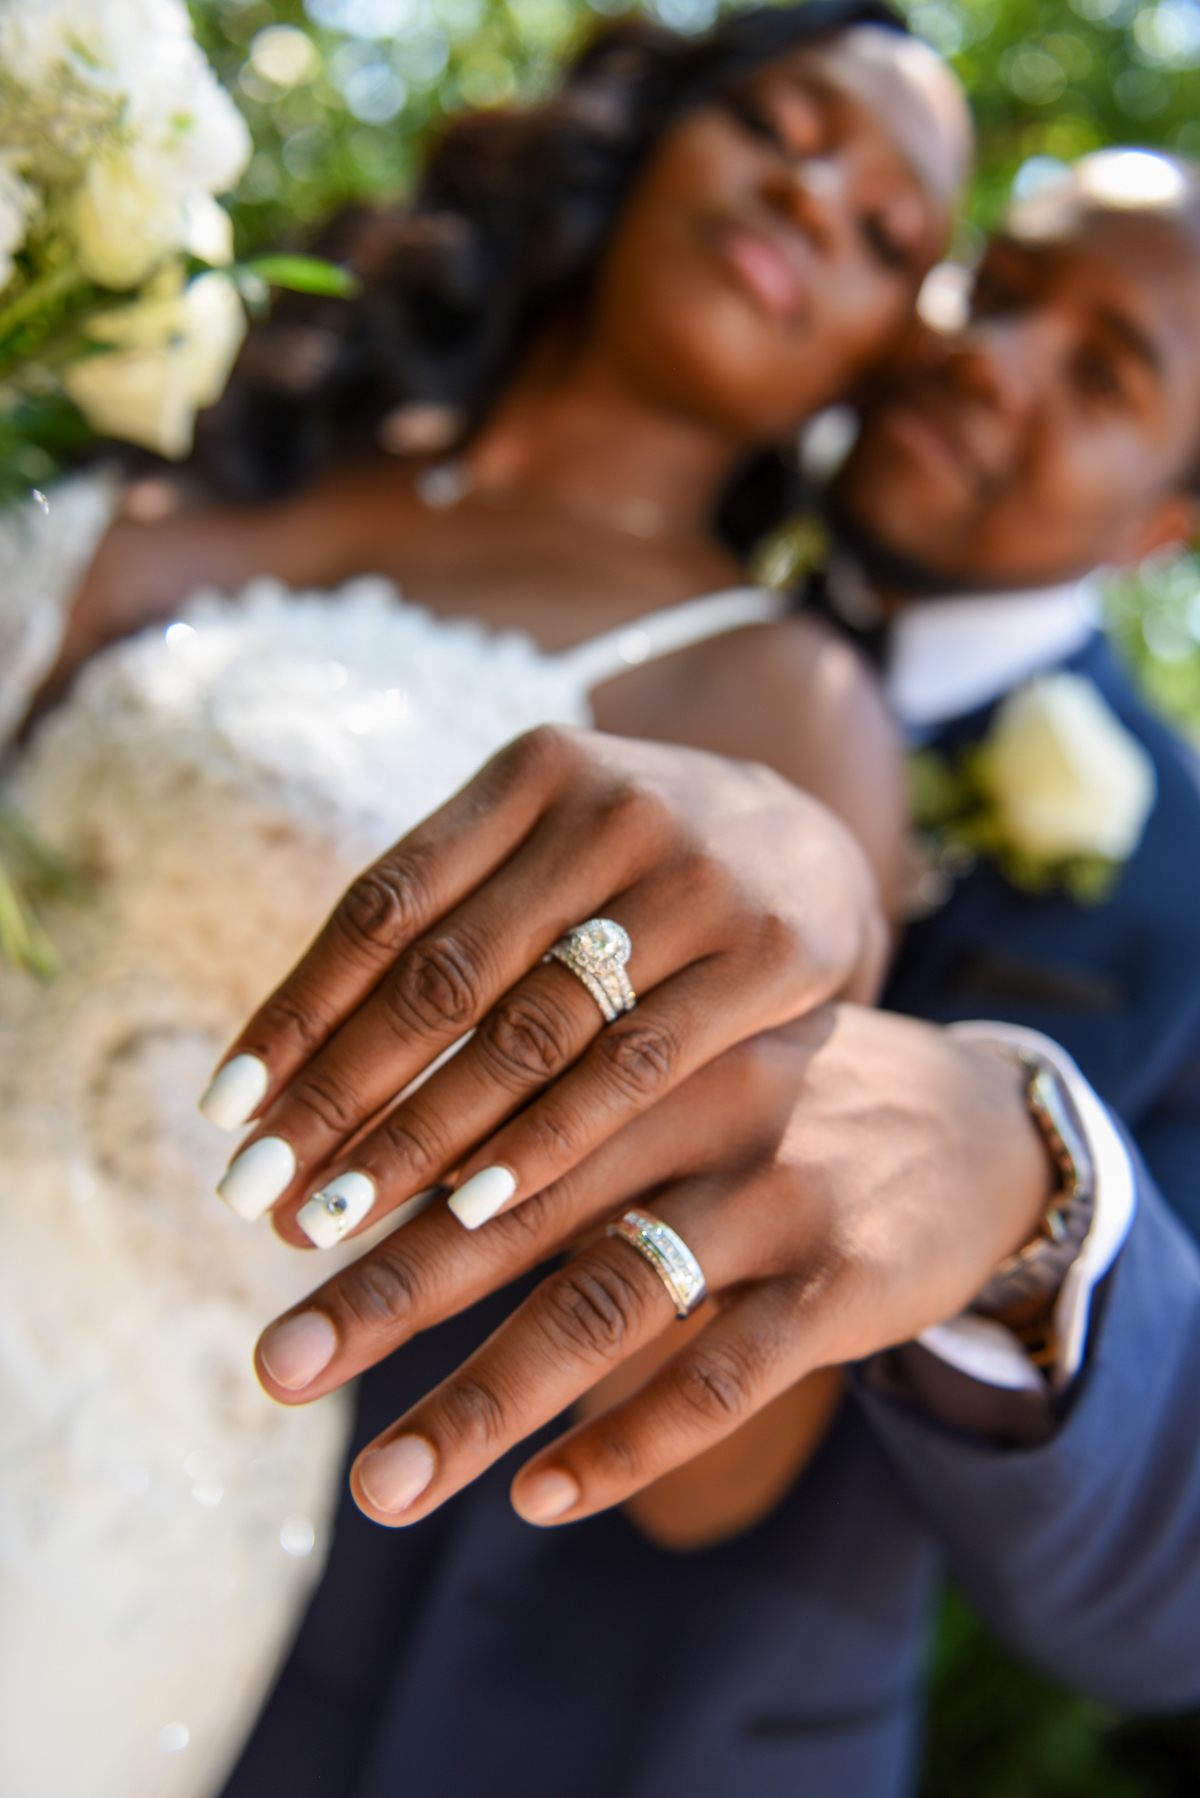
[(1022, 1290)]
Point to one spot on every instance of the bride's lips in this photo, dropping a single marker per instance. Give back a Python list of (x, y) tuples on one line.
[(764, 266)]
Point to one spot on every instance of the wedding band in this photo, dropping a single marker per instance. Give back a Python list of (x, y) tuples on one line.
[(596, 953), (668, 1255)]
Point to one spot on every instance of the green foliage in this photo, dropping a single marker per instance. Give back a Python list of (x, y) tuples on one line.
[(30, 875), (1056, 80), (1154, 619), (998, 1729), (340, 93)]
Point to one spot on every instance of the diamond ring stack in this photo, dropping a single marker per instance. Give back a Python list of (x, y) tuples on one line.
[(596, 953), (668, 1255)]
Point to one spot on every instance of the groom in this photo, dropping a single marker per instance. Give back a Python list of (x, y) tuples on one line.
[(1057, 434), (474, 1654)]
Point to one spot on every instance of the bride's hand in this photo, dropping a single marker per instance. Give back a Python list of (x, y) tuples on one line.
[(746, 901), (844, 1182)]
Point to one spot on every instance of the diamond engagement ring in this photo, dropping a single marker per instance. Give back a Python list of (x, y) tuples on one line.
[(596, 953), (668, 1255)]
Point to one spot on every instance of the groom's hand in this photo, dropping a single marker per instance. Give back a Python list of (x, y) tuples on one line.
[(844, 1182), (746, 902)]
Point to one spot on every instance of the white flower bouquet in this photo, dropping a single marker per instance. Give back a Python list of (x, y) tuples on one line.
[(115, 140), (1057, 794), (121, 307)]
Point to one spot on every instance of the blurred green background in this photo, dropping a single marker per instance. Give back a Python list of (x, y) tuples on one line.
[(339, 95)]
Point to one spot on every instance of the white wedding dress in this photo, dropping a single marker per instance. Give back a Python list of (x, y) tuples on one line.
[(220, 782)]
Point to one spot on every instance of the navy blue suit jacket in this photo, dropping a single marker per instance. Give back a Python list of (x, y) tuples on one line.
[(472, 1654)]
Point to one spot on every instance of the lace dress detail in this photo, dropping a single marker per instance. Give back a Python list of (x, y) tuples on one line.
[(161, 1522)]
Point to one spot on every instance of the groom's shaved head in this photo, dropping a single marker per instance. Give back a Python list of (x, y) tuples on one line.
[(1061, 428)]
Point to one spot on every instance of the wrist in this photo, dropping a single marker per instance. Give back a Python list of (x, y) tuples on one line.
[(1029, 1178), (1022, 1292)]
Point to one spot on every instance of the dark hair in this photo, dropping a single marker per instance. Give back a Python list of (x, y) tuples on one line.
[(506, 229)]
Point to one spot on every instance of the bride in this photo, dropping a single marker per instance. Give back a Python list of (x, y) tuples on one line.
[(551, 416)]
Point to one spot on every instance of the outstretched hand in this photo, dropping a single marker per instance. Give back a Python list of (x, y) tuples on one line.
[(747, 903), (844, 1181)]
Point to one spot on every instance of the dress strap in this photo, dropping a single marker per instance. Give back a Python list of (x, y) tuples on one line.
[(676, 627)]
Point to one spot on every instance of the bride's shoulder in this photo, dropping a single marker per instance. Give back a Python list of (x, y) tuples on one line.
[(797, 695)]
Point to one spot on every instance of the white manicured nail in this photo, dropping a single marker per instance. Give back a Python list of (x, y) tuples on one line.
[(336, 1209), (236, 1091), (258, 1176), (482, 1195)]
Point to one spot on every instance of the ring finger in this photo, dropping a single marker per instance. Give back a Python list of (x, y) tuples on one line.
[(580, 1322), (537, 1031)]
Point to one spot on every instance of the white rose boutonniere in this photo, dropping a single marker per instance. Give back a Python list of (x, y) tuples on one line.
[(1058, 792)]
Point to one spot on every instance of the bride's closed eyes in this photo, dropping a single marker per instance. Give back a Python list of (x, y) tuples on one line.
[(800, 121)]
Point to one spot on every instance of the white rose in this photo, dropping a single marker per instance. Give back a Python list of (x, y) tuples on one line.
[(216, 326), (172, 356), (121, 91), (17, 201), (126, 220), (208, 230), (1066, 776), (97, 43)]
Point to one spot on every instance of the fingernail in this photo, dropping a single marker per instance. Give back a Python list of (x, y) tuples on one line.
[(394, 1476), (482, 1195), (236, 1091), (258, 1176), (296, 1350), (544, 1496), (330, 1213)]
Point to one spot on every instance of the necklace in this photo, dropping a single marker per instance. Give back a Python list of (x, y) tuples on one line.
[(443, 484)]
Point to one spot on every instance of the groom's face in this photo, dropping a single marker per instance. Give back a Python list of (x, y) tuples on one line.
[(1061, 429)]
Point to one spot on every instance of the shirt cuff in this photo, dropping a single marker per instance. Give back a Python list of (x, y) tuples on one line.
[(985, 1350)]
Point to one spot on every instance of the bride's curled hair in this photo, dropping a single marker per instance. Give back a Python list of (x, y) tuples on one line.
[(505, 231)]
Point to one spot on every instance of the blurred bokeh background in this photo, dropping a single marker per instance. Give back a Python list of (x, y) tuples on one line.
[(340, 95)]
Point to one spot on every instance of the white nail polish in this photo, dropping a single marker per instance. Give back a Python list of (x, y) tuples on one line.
[(334, 1211), (235, 1091), (480, 1197), (258, 1176)]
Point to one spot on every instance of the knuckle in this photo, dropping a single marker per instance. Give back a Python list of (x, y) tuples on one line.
[(717, 1385), (556, 1133), (379, 911), (593, 1309), (632, 811), (412, 1141), (775, 943), (285, 1019), (536, 756), (323, 1097), (639, 1057), (437, 985), (525, 1038), (378, 1294), (472, 1414)]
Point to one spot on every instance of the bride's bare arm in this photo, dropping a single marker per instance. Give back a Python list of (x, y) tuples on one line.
[(797, 697)]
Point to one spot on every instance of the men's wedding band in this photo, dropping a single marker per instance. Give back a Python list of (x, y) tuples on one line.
[(596, 953), (668, 1255)]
